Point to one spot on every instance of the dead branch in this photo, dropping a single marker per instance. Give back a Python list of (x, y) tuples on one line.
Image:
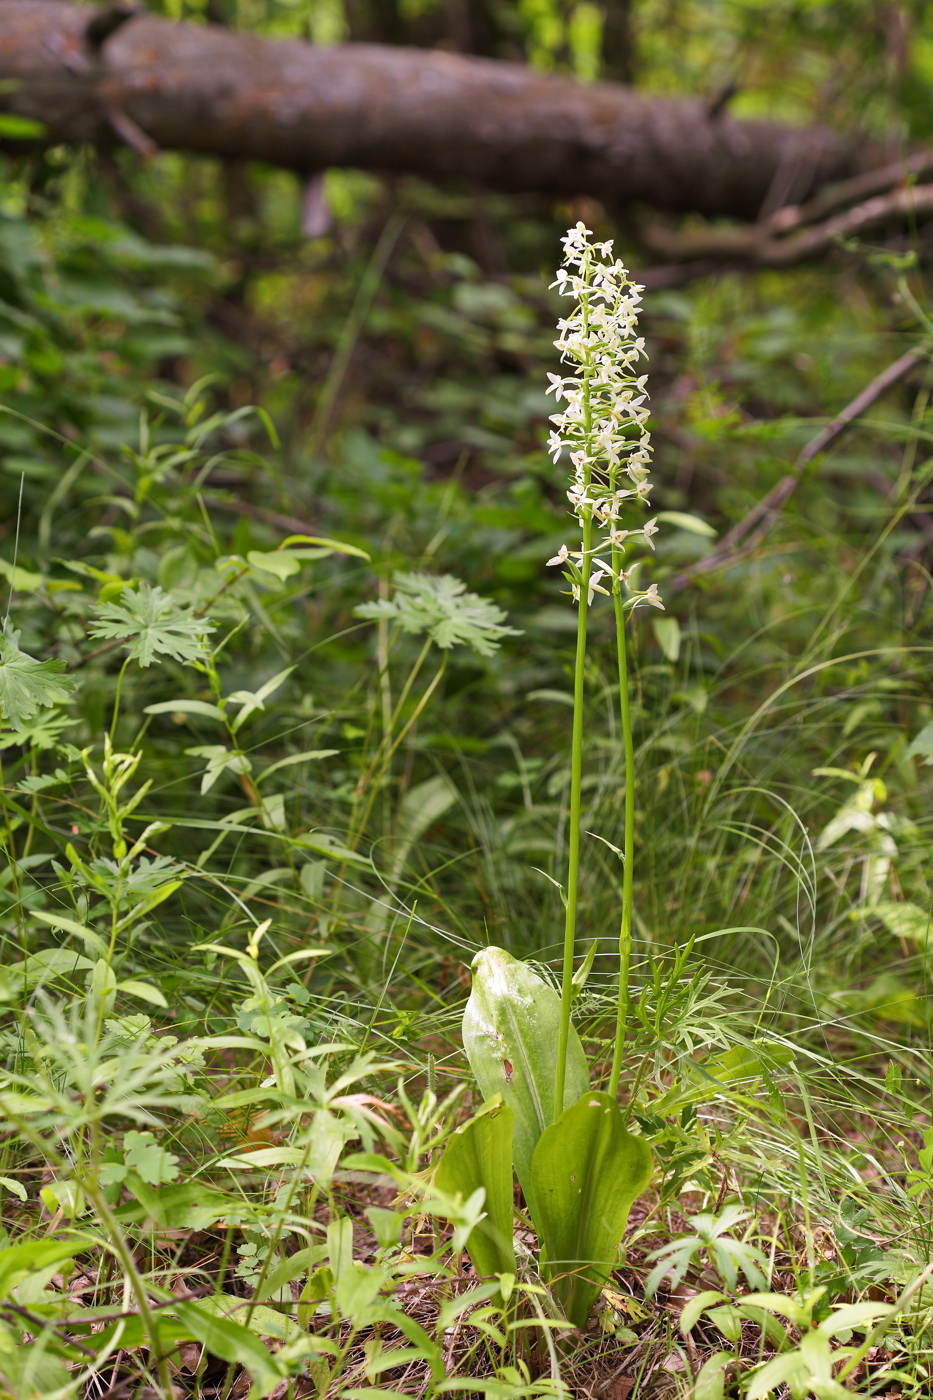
[(752, 528), (695, 254)]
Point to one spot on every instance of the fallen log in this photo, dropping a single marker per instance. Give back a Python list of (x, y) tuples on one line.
[(105, 76)]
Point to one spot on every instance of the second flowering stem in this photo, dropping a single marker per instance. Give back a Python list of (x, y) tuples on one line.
[(573, 837)]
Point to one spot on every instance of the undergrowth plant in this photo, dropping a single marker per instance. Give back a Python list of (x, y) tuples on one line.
[(579, 1166), (245, 861)]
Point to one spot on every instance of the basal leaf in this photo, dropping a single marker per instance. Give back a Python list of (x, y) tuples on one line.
[(511, 1028), (480, 1154), (587, 1171)]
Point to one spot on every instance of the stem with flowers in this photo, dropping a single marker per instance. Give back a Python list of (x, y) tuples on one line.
[(578, 1165), (603, 430)]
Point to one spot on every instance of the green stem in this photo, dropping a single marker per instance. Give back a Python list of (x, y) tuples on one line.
[(146, 1316), (628, 840), (116, 701), (573, 854)]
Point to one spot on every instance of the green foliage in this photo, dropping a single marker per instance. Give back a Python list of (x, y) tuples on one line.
[(243, 879), (479, 1156), (442, 609), (157, 626), (28, 685), (587, 1172), (510, 1030)]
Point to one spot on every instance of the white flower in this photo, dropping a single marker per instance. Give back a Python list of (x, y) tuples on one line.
[(560, 557), (605, 400), (594, 585)]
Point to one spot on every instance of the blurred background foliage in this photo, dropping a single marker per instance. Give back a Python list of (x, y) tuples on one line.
[(401, 355)]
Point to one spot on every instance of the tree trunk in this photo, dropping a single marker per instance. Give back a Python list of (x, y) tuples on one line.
[(445, 117)]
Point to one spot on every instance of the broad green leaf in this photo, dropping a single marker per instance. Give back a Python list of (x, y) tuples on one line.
[(292, 1267), (780, 1370), (143, 991), (710, 1383), (40, 967), (906, 921), (93, 940), (510, 1032), (30, 1372), (922, 746), (690, 1314), (667, 635), (20, 580), (280, 563), (587, 1171), (188, 1206), (27, 685), (20, 1260), (356, 1290), (150, 623), (231, 1341), (480, 1154), (262, 1321)]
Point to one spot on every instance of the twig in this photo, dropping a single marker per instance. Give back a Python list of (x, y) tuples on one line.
[(40, 1324), (268, 517), (786, 238), (762, 516)]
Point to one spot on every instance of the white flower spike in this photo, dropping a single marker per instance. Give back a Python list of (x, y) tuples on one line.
[(602, 427)]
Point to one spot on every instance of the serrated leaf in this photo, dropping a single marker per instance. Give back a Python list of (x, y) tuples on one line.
[(149, 1158), (150, 623), (28, 685), (440, 606)]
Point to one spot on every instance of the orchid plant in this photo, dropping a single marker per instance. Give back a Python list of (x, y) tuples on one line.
[(602, 430), (578, 1166)]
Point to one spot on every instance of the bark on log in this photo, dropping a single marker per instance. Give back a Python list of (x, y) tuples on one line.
[(442, 116)]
